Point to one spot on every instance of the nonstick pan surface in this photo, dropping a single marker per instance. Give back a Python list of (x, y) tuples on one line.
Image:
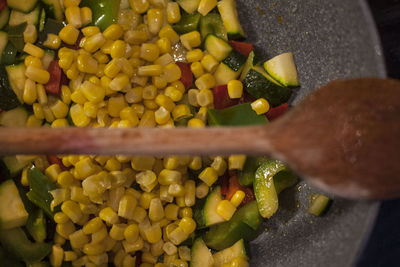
[(330, 40)]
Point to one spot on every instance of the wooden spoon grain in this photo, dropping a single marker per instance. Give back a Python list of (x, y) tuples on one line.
[(343, 138)]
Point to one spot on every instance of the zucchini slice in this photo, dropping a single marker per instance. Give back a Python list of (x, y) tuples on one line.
[(228, 11), (229, 254), (283, 69), (189, 6), (318, 204), (235, 61), (25, 6), (17, 17), (210, 207), (53, 9), (223, 74), (217, 47), (201, 255), (4, 17), (12, 211), (260, 85), (16, 77), (16, 117)]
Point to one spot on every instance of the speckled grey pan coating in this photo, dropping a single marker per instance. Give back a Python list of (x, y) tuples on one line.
[(329, 39)]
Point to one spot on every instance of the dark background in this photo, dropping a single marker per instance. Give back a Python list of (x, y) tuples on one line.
[(383, 247)]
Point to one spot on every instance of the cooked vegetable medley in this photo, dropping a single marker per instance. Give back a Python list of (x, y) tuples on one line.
[(136, 63)]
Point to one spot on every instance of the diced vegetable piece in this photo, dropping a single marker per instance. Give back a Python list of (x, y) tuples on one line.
[(243, 225), (4, 17), (248, 65), (239, 115), (212, 24), (36, 225), (16, 117), (201, 255), (229, 254), (234, 186), (16, 242), (12, 211), (48, 57), (9, 55), (217, 47), (53, 9), (224, 74), (16, 77), (8, 98), (284, 179), (186, 74), (105, 12), (228, 11), (210, 207), (260, 85), (22, 6), (189, 6), (318, 204), (235, 61), (275, 112), (42, 20), (15, 164), (222, 99), (16, 36), (283, 69), (242, 47), (54, 84), (17, 17), (188, 23), (246, 176), (40, 188)]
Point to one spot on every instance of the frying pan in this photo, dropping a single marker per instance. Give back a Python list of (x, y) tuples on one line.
[(330, 40)]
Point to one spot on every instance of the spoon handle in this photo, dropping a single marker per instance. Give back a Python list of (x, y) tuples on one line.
[(139, 141)]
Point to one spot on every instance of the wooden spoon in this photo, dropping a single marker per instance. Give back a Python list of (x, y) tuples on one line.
[(343, 138)]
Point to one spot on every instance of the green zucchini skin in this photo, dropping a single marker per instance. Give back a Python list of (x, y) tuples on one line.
[(8, 99)]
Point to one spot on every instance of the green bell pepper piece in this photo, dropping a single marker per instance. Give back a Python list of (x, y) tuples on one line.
[(188, 23), (268, 183), (246, 176), (243, 225), (36, 225), (104, 12), (9, 54), (16, 36), (40, 187), (239, 115), (16, 242)]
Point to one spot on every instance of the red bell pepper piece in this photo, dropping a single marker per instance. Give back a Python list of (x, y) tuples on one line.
[(242, 47), (235, 186), (275, 112), (3, 4), (187, 75), (222, 99), (224, 183), (56, 160), (54, 83)]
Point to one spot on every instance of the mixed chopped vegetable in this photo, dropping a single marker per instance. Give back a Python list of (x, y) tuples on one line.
[(136, 63)]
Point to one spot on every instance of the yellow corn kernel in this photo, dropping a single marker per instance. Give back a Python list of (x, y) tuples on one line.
[(68, 3), (148, 119), (235, 89), (202, 114), (190, 193), (173, 13), (164, 45), (159, 264), (135, 37), (78, 97), (30, 34), (59, 109), (209, 63), (165, 102), (181, 111), (260, 106), (180, 263), (38, 111), (172, 72), (226, 209), (192, 97), (30, 92), (90, 109), (52, 41), (205, 97), (162, 115), (171, 212), (93, 92), (34, 61), (115, 105), (236, 162), (206, 81), (209, 176), (195, 163), (188, 225), (48, 114), (65, 229), (119, 82), (173, 93), (60, 217), (65, 94), (219, 165), (168, 32), (167, 176), (112, 68), (99, 259), (53, 171), (82, 261), (65, 179), (153, 233), (86, 15), (139, 6), (170, 248), (85, 167), (33, 50), (132, 247), (146, 197), (113, 32), (205, 6), (164, 60), (149, 52), (70, 255), (38, 75), (171, 163), (78, 239), (118, 49), (197, 69), (156, 210), (202, 190), (93, 249), (134, 95), (149, 92), (72, 210), (87, 64), (93, 226), (73, 16), (108, 215), (56, 256), (69, 34), (142, 163), (191, 40), (73, 72), (126, 67), (127, 206), (237, 198), (131, 233), (177, 236), (148, 259), (106, 47), (128, 113), (159, 81), (117, 231), (59, 240), (194, 55), (155, 20), (94, 42), (90, 31)]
